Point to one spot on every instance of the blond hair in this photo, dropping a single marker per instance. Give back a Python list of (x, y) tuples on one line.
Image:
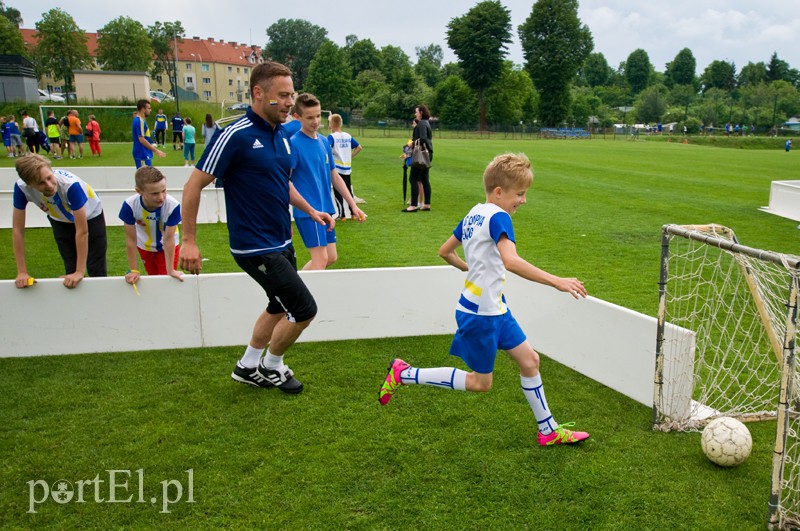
[(29, 167), (506, 171), (335, 121), (148, 175)]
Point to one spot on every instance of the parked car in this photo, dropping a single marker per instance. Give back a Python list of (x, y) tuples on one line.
[(51, 97), (69, 97), (239, 107), (156, 96)]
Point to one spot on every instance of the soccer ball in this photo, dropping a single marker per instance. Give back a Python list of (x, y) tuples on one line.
[(726, 441)]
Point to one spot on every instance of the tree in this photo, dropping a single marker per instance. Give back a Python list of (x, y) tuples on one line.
[(651, 104), (363, 55), (294, 42), (752, 74), (372, 94), (596, 71), (682, 70), (511, 99), (777, 69), (61, 47), (479, 39), (11, 41), (719, 74), (330, 78), (124, 45), (13, 15), (555, 45), (165, 38), (584, 106), (429, 63), (394, 64), (455, 103), (683, 95), (638, 70)]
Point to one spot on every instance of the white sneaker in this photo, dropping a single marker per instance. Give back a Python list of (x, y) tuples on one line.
[(359, 200)]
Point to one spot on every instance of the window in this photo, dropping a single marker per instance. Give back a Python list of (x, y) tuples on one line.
[(207, 95), (246, 70), (189, 79), (230, 94), (158, 79), (188, 66), (204, 67), (206, 81), (230, 69), (230, 82)]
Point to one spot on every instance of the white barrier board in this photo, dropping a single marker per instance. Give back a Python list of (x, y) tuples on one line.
[(610, 344), (784, 199)]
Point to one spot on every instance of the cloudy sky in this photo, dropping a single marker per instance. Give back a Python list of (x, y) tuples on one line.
[(733, 30)]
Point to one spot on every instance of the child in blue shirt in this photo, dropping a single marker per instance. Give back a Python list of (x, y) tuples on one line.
[(313, 172)]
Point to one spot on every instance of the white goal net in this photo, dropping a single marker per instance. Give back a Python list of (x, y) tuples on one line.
[(726, 343)]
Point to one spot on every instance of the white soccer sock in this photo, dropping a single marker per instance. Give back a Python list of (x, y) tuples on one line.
[(447, 377), (271, 361), (534, 391), (251, 356)]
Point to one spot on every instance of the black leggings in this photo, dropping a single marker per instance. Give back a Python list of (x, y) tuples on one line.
[(420, 175), (340, 202), (64, 234)]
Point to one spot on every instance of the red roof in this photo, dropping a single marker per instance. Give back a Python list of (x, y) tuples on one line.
[(205, 50)]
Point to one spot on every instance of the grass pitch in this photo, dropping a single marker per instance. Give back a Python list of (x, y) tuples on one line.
[(332, 457)]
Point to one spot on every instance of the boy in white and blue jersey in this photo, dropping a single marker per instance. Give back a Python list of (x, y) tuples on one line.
[(313, 172), (344, 148), (253, 158), (74, 212), (151, 218), (485, 323)]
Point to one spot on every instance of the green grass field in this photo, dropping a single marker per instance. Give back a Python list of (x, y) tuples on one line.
[(332, 457)]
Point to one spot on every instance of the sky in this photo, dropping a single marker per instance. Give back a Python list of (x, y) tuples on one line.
[(738, 31)]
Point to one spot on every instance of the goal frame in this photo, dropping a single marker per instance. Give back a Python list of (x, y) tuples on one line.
[(782, 512)]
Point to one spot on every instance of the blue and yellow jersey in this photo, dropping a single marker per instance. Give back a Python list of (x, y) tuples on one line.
[(72, 193), (151, 224)]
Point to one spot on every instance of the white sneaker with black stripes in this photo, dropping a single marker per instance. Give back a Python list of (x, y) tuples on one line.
[(250, 376), (283, 379)]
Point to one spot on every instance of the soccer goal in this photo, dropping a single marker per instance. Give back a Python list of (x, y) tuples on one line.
[(725, 346), (115, 120)]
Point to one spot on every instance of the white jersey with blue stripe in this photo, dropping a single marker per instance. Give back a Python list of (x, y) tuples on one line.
[(479, 232), (72, 193), (151, 224), (342, 144)]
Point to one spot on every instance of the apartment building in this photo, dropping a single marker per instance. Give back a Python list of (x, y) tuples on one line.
[(212, 69)]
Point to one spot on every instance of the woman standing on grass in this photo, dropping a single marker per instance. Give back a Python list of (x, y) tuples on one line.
[(422, 132)]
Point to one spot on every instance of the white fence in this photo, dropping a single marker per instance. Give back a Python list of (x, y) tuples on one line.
[(784, 199), (610, 344)]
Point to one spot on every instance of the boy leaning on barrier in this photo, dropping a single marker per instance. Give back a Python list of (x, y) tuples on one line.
[(151, 217), (73, 210)]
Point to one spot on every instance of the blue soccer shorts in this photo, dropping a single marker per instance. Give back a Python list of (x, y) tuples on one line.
[(314, 234), (479, 337)]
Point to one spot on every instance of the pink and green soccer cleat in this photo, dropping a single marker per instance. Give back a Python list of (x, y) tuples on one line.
[(561, 435), (393, 381)]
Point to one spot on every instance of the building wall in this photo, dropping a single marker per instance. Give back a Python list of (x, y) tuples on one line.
[(93, 85)]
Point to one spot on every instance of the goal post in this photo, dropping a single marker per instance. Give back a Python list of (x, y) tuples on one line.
[(115, 120), (729, 301), (726, 344)]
